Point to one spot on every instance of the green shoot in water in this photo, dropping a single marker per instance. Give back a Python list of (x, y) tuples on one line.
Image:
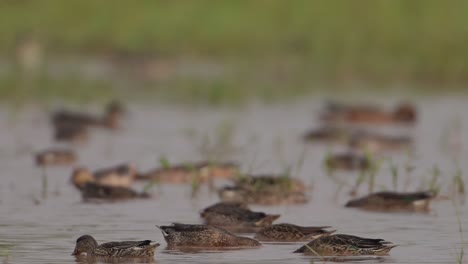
[(458, 183), (434, 183), (44, 182), (164, 162), (394, 170)]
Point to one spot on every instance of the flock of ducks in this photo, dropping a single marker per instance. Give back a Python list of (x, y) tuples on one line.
[(225, 219)]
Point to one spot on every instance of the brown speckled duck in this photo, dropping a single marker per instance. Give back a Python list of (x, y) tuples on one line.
[(71, 133), (236, 217), (328, 134), (265, 190), (51, 157), (346, 245), (87, 245), (186, 173), (404, 113), (347, 161), (92, 192), (260, 197), (378, 143), (204, 237), (291, 233), (121, 175), (394, 201), (112, 118)]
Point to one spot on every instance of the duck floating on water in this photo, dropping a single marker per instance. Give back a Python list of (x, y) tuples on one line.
[(346, 245), (236, 217), (54, 157), (111, 119), (291, 233), (87, 245), (204, 237), (394, 201), (186, 173)]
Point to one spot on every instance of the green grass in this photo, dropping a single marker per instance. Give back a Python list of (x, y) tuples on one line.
[(279, 49)]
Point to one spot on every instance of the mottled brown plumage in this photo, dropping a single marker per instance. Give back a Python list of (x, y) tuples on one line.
[(262, 197), (291, 233), (346, 245), (51, 157), (128, 249), (328, 134), (96, 192), (121, 175), (204, 236), (377, 143), (185, 173), (111, 118), (394, 201), (404, 113), (236, 217), (347, 161)]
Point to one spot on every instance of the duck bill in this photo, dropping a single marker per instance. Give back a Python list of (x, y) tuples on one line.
[(75, 252)]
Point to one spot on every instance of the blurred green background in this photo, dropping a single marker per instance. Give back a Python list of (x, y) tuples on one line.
[(216, 52)]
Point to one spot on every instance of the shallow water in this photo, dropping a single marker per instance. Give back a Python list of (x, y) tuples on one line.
[(264, 139)]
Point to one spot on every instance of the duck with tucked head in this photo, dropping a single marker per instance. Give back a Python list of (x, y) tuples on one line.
[(106, 184), (265, 190), (186, 173), (204, 237), (51, 157), (121, 175), (379, 143), (260, 196), (395, 201), (328, 134), (347, 161), (346, 245), (111, 119), (403, 113), (291, 233), (87, 245), (236, 217), (71, 133)]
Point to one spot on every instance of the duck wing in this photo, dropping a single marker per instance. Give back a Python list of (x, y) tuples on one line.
[(126, 244), (413, 196)]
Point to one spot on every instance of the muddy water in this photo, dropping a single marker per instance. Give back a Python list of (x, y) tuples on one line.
[(37, 229)]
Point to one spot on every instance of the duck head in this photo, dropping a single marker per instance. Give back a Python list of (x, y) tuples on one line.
[(81, 176), (84, 245)]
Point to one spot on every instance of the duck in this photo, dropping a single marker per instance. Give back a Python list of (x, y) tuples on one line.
[(260, 197), (346, 245), (348, 161), (394, 201), (403, 114), (265, 190), (87, 245), (53, 157), (236, 217), (186, 173), (71, 133), (270, 182), (328, 134), (379, 143), (93, 192), (291, 233), (204, 236), (121, 175), (111, 119)]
